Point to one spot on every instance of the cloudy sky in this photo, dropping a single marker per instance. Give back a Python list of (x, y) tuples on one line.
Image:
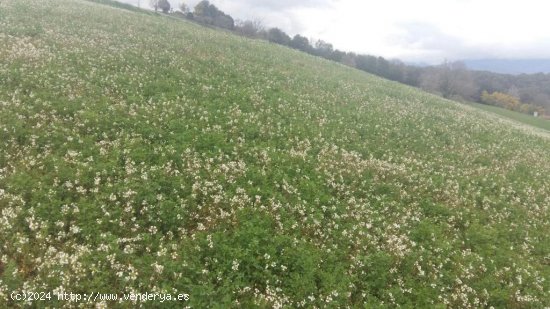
[(426, 31)]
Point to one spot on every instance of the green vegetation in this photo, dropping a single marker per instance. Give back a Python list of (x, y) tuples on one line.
[(142, 153), (509, 102), (517, 116)]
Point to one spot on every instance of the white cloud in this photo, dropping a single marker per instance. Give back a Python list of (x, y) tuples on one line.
[(421, 30)]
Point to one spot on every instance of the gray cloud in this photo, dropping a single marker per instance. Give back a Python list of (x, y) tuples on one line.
[(426, 42), (273, 13), (418, 41), (278, 5), (425, 36)]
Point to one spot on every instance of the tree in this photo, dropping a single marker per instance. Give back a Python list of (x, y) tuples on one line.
[(396, 70), (412, 75), (337, 55), (451, 80), (383, 67), (301, 43), (154, 4), (278, 36), (163, 5), (202, 9), (209, 14), (349, 59), (366, 63), (184, 8), (502, 99), (323, 49), (250, 28), (224, 21)]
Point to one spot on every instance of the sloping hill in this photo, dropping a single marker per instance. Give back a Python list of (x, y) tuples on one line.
[(510, 66), (145, 154)]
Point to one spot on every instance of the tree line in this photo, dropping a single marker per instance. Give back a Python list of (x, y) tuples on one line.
[(523, 93)]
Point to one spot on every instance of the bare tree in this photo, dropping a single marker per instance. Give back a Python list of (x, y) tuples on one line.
[(184, 8), (451, 80), (154, 4), (250, 28)]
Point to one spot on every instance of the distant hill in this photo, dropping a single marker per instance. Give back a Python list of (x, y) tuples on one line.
[(510, 66)]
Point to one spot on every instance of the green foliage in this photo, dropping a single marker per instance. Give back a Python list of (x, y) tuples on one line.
[(276, 35), (209, 14), (301, 43), (142, 154), (509, 102), (501, 99), (519, 117), (163, 5)]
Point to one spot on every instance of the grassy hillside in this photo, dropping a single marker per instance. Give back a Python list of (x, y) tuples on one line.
[(520, 117), (146, 154)]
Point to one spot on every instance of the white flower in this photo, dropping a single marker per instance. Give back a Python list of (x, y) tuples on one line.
[(235, 265), (158, 268)]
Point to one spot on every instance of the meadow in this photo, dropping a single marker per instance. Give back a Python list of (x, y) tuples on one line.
[(537, 122), (141, 153)]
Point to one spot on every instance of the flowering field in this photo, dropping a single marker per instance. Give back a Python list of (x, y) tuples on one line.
[(141, 153)]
